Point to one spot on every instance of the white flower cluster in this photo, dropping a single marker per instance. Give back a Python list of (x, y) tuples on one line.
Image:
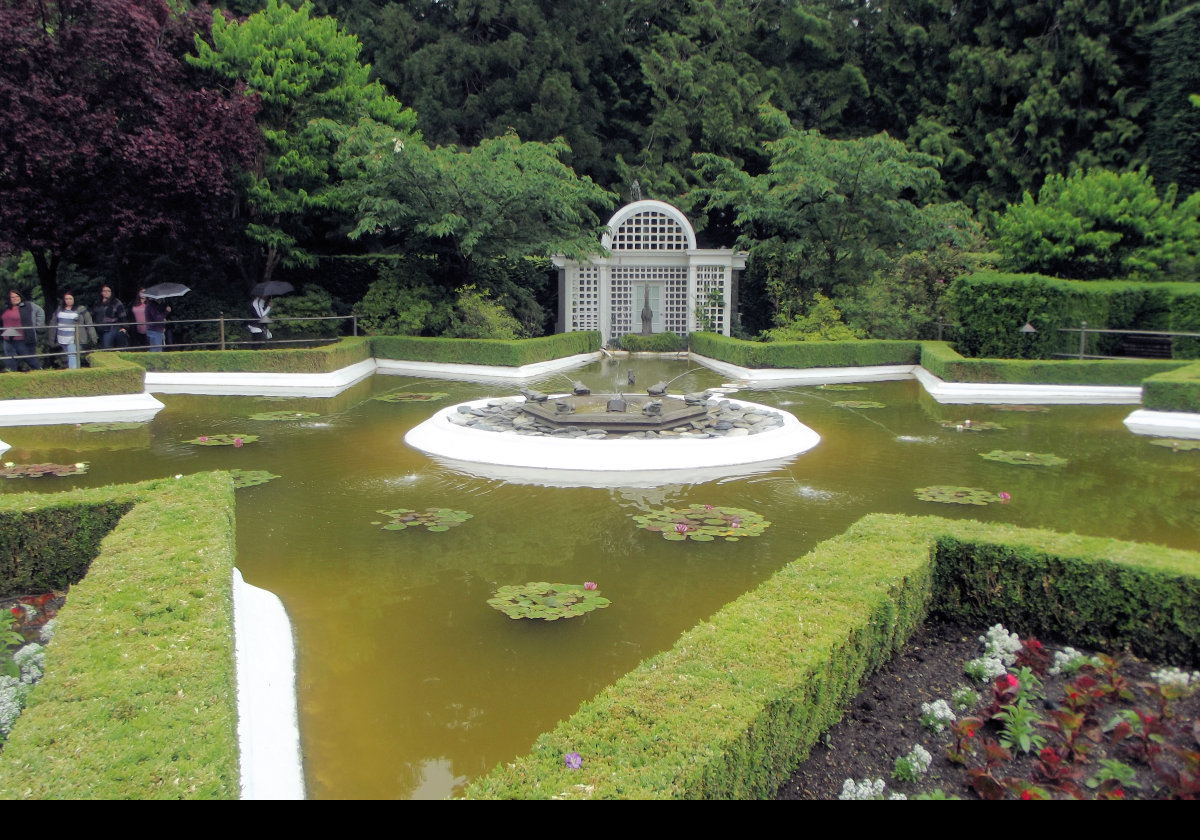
[(964, 699), (1176, 678), (919, 758), (985, 668), (936, 716), (12, 700), (866, 789), (1068, 661), (1001, 644)]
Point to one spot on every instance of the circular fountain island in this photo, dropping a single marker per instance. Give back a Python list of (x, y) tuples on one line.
[(585, 439)]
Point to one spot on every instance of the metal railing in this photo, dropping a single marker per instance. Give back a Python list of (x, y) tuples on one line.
[(222, 342), (1084, 331)]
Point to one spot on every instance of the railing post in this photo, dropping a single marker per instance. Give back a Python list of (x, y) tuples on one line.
[(1082, 338), (354, 323), (75, 330), (221, 327)]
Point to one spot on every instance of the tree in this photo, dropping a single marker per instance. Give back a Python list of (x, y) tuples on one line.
[(827, 213), (501, 199), (107, 139), (312, 89), (1102, 225)]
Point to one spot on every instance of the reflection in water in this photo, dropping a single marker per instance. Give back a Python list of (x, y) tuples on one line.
[(410, 684)]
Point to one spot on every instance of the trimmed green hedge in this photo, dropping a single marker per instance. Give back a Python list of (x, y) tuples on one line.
[(325, 359), (664, 342), (803, 354), (138, 700), (479, 351), (992, 306), (107, 374), (1176, 390), (740, 698), (944, 362)]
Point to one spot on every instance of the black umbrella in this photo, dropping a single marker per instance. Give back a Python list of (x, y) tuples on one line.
[(272, 288), (166, 290)]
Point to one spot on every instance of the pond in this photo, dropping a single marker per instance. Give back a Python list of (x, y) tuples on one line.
[(410, 684)]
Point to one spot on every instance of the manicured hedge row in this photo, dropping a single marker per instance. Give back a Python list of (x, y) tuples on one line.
[(1176, 390), (944, 362), (471, 351), (325, 359), (52, 546), (740, 698), (803, 354), (992, 306), (664, 342), (107, 374), (138, 700)]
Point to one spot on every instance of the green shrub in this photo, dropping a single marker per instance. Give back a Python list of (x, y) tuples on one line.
[(1176, 390), (944, 362), (106, 374), (741, 697), (804, 354), (477, 315), (312, 302), (138, 700), (517, 353), (326, 359), (663, 342), (991, 307)]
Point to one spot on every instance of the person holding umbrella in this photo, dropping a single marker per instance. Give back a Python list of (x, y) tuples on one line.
[(260, 306), (156, 311)]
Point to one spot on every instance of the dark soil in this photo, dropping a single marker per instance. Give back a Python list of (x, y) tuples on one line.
[(883, 723)]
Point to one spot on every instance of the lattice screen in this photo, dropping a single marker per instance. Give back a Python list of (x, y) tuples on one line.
[(711, 278), (621, 308), (650, 231), (585, 299), (671, 315)]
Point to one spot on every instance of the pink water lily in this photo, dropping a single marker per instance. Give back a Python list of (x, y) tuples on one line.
[(589, 585), (1004, 497), (237, 442), (681, 528), (202, 438)]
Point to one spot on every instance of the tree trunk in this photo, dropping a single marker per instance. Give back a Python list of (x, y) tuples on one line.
[(47, 270)]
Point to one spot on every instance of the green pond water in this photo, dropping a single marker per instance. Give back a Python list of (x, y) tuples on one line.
[(410, 685)]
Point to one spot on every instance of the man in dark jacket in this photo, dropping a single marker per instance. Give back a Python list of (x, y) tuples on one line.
[(109, 311)]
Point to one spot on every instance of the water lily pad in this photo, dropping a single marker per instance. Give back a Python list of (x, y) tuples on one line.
[(972, 425), (1035, 459), (949, 495), (702, 523), (841, 387), (431, 519), (11, 470), (250, 478), (223, 440), (547, 601), (1177, 444), (859, 404), (411, 396), (284, 415), (1026, 408), (110, 427)]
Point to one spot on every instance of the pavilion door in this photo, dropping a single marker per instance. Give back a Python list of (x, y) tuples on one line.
[(649, 299)]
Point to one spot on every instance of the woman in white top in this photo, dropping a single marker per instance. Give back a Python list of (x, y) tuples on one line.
[(261, 307), (72, 328)]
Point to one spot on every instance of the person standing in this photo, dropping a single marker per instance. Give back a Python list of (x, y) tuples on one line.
[(110, 313), (156, 321), (261, 307), (22, 321), (73, 328)]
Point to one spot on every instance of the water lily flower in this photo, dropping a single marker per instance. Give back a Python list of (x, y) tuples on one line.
[(237, 442), (680, 528), (179, 475), (1004, 497), (589, 585), (573, 760), (202, 438), (80, 465), (736, 522), (959, 427), (708, 507)]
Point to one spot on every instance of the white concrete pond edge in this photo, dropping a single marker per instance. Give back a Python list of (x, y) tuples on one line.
[(269, 761)]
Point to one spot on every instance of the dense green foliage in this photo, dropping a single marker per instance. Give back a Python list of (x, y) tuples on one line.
[(1176, 390), (1173, 135), (993, 306), (138, 700), (804, 354), (1102, 225), (740, 699)]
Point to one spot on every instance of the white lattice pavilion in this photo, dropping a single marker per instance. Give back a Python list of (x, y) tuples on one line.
[(652, 259)]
